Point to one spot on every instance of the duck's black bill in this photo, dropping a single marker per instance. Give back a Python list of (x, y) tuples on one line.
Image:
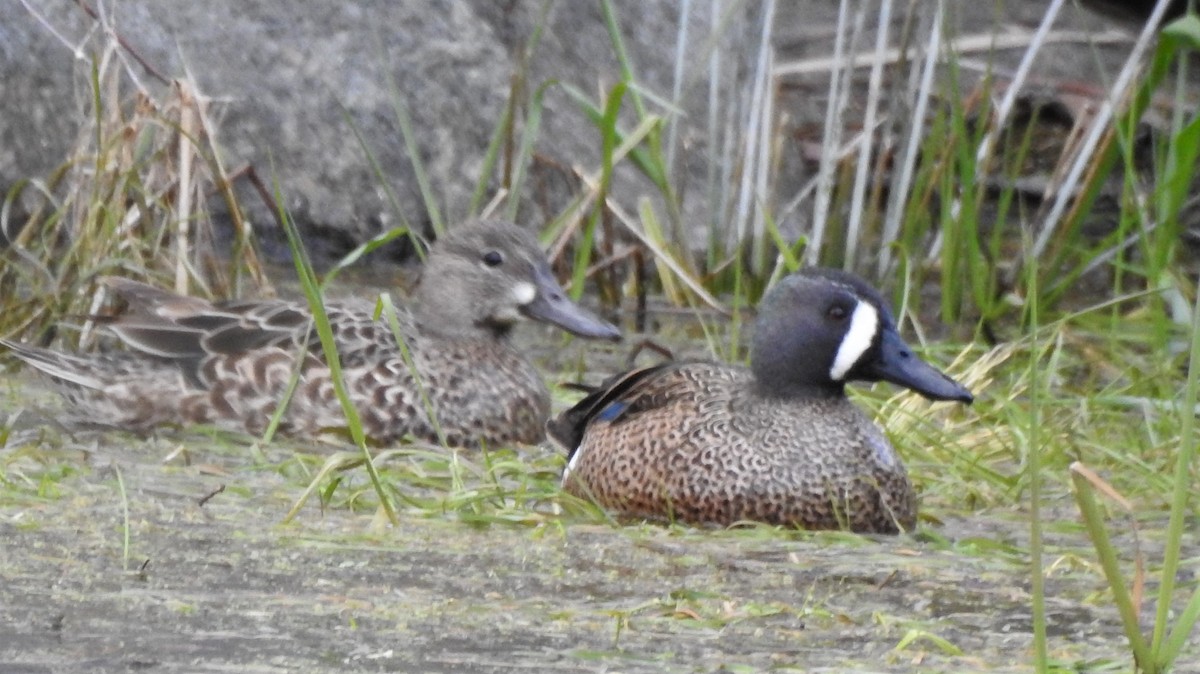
[(552, 305), (898, 364)]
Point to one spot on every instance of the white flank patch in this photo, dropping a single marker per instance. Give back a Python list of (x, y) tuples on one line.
[(523, 293), (884, 454), (864, 323), (571, 464)]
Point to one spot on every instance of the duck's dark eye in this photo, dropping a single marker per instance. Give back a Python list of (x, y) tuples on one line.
[(493, 258), (836, 313)]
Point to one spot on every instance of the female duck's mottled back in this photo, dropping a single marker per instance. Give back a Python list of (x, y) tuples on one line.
[(229, 363), (705, 442)]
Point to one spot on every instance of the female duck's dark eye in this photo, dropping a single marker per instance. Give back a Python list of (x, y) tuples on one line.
[(493, 258), (836, 312)]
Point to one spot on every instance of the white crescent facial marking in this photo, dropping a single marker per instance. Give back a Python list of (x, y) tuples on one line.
[(523, 293), (864, 323)]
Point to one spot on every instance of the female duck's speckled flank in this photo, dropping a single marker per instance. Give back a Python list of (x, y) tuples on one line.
[(705, 442), (229, 363)]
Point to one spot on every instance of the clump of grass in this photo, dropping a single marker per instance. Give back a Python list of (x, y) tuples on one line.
[(1170, 632), (499, 486), (928, 191), (32, 468), (132, 200)]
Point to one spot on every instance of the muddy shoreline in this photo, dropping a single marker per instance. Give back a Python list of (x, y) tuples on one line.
[(226, 587)]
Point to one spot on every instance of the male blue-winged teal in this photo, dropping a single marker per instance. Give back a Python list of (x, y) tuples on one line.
[(229, 363), (704, 442)]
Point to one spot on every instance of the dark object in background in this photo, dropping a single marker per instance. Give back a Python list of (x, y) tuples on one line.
[(1136, 10)]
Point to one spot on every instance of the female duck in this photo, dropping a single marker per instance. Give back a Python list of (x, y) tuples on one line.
[(230, 363)]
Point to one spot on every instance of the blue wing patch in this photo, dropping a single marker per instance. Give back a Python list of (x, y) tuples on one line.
[(613, 411)]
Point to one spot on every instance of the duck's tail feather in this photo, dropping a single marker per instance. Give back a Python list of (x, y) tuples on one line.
[(64, 367)]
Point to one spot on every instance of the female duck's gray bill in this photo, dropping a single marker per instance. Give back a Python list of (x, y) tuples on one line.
[(553, 306), (898, 364)]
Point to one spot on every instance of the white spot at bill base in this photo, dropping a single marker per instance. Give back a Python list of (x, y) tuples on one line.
[(523, 293)]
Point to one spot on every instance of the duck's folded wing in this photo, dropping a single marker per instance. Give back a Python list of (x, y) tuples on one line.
[(618, 397), (163, 324), (216, 330)]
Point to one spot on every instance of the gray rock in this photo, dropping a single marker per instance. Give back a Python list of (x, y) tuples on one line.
[(287, 77), (292, 82)]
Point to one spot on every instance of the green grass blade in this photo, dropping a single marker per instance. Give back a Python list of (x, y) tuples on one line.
[(414, 158), (529, 135), (502, 131), (374, 243), (125, 525), (641, 156), (1181, 632), (1094, 520), (312, 293), (1181, 496), (388, 311), (380, 176), (1034, 469), (626, 63)]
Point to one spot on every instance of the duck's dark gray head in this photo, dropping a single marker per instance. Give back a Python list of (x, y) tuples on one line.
[(483, 277), (820, 328)]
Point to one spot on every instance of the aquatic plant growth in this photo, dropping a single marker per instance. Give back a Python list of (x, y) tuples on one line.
[(1069, 481)]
